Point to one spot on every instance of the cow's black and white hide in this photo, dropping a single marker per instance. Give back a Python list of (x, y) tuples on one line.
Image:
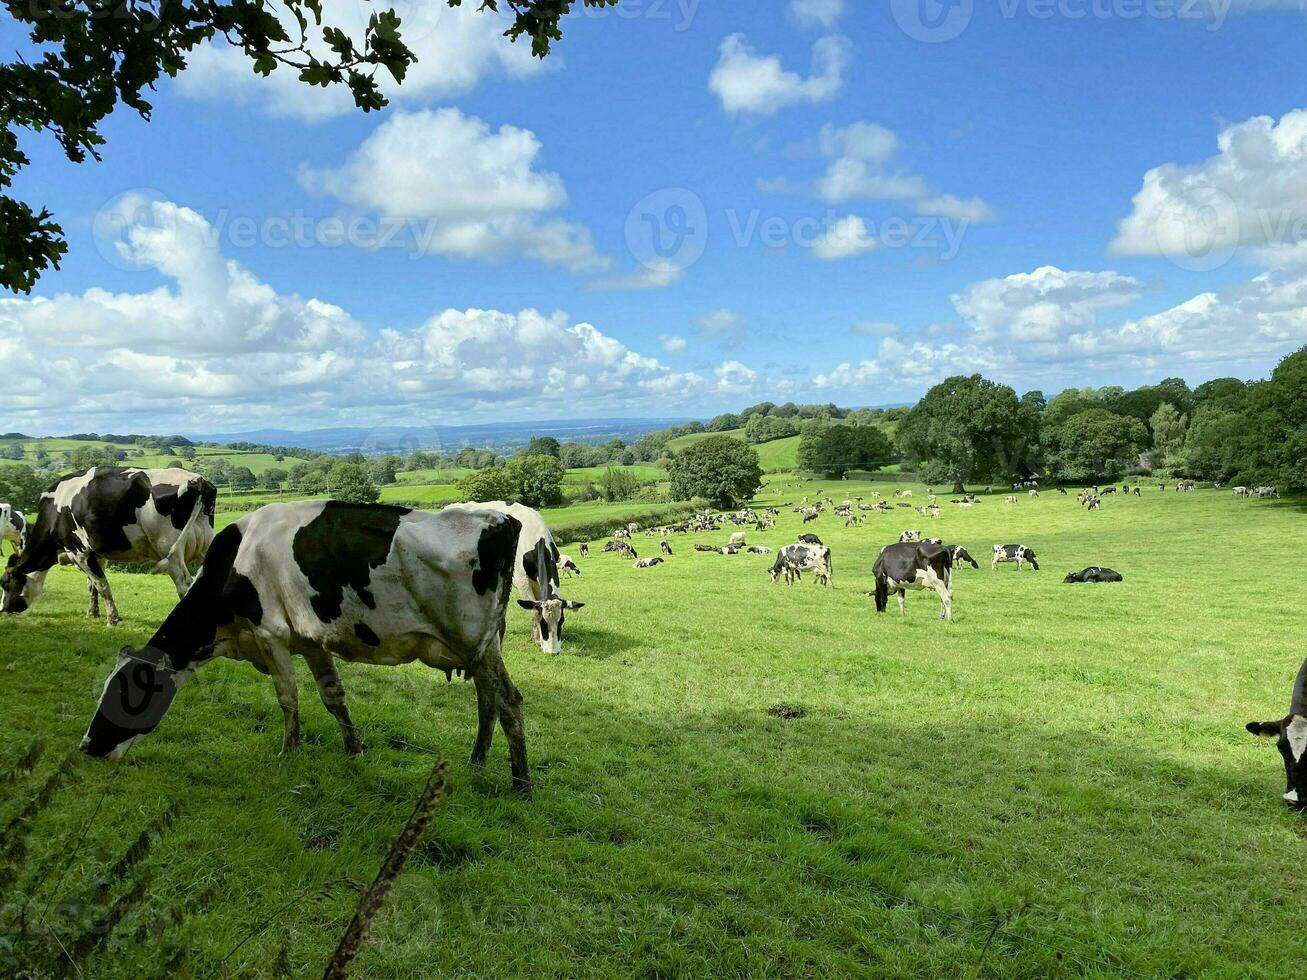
[(909, 565), (810, 539), (1093, 574), (909, 536), (648, 563), (1290, 733), (960, 556), (705, 548), (113, 513), (568, 567), (535, 572), (758, 549), (13, 528), (585, 550), (1013, 553), (666, 548), (324, 579), (795, 559)]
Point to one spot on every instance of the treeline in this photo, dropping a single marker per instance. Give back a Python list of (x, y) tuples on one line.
[(972, 430)]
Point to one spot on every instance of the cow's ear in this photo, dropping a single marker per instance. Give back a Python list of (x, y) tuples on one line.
[(528, 604), (574, 605), (1265, 729)]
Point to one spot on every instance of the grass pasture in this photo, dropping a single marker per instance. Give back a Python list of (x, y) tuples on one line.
[(732, 778)]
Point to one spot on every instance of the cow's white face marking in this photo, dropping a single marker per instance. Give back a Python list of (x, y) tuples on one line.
[(1296, 733)]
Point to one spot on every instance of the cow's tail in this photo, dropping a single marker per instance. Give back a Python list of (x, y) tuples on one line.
[(196, 537)]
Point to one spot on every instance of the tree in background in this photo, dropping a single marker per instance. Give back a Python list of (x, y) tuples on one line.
[(273, 478), (544, 446), (618, 485), (537, 480), (968, 429), (352, 483), (769, 428), (242, 478), (719, 468), (383, 470), (1169, 428), (1095, 446), (20, 486), (834, 449), (491, 483)]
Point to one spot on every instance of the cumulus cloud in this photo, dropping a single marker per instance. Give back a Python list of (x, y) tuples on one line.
[(672, 343), (1252, 193), (748, 82), (456, 48), (460, 189), (824, 14), (844, 239), (218, 348), (1043, 305), (649, 275)]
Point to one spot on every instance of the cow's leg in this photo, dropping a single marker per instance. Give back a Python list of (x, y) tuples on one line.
[(946, 598), (332, 692), (902, 604), (487, 715), (91, 568), (508, 705), (93, 607), (277, 658)]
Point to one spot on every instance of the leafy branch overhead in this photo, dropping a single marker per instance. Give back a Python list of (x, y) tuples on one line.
[(96, 54)]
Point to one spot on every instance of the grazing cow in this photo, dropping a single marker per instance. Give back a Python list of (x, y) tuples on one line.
[(1290, 733), (1093, 574), (759, 550), (568, 567), (810, 539), (535, 572), (914, 566), (648, 562), (909, 536), (961, 556), (1242, 492), (666, 548), (737, 539), (13, 528), (585, 550), (1012, 500), (1137, 492), (794, 559), (322, 579), (113, 513), (1019, 553), (1062, 491)]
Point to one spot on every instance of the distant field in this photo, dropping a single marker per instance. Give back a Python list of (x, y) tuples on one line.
[(780, 454), (644, 472), (448, 475), (257, 463), (732, 778)]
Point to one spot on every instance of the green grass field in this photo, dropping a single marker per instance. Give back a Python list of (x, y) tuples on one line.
[(780, 454), (732, 778), (257, 463)]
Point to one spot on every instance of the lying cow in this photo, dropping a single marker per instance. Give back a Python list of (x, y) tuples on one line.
[(759, 550), (535, 573), (112, 513), (648, 563), (13, 528), (1093, 574), (794, 559), (323, 579), (914, 566), (1290, 733), (1018, 553), (910, 536)]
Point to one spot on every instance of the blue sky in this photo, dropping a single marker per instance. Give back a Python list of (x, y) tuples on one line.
[(849, 205)]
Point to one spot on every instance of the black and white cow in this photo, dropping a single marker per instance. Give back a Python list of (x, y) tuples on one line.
[(13, 528), (1093, 574), (1018, 553), (666, 548), (909, 536), (960, 556), (810, 539), (908, 565), (585, 550), (113, 513), (795, 559), (321, 580), (535, 572), (1290, 733), (648, 562), (568, 566)]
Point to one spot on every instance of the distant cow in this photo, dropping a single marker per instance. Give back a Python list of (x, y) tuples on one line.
[(794, 559), (759, 550), (535, 572), (13, 528), (909, 536), (705, 548), (113, 513), (1018, 553), (323, 579), (1290, 733), (585, 550), (914, 566), (666, 548), (737, 539), (809, 539), (1093, 574), (1012, 500), (960, 556), (568, 567), (648, 562)]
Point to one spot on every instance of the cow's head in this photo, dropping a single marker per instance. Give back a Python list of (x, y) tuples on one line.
[(18, 590), (550, 615), (1071, 578), (136, 696), (1290, 734), (1029, 556)]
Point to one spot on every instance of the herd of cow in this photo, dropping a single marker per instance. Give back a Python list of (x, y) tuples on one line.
[(326, 580)]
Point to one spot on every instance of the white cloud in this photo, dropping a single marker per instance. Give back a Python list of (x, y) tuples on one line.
[(217, 348), (456, 48), (816, 13), (1253, 193), (746, 81), (728, 327), (462, 189), (652, 275), (1044, 305), (672, 343), (844, 239), (972, 211)]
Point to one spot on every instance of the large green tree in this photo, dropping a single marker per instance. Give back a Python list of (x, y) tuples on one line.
[(719, 468), (92, 55), (834, 449), (1095, 446), (969, 429)]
